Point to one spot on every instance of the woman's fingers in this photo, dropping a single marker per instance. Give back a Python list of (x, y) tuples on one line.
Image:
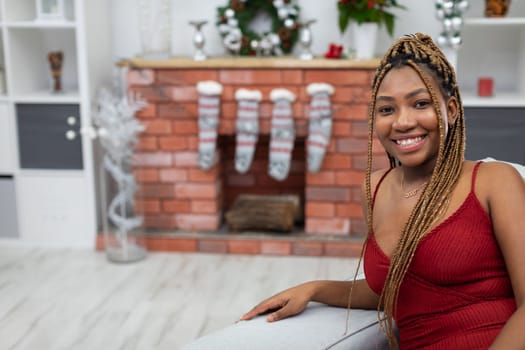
[(270, 304), (289, 309)]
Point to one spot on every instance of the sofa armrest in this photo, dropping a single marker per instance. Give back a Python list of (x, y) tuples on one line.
[(317, 327)]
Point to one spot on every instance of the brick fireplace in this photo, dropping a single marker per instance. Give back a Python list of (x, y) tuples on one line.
[(177, 196)]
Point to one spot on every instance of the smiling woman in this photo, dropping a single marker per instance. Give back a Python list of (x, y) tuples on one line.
[(443, 256)]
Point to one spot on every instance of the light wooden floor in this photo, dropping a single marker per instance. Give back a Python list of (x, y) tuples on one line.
[(53, 298)]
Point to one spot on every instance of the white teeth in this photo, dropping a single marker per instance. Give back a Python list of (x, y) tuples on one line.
[(407, 142)]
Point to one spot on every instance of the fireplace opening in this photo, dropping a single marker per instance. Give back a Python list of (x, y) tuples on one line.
[(257, 181)]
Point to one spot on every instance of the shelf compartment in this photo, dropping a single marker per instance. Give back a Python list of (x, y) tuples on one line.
[(52, 209), (25, 10), (30, 72), (493, 57), (496, 133)]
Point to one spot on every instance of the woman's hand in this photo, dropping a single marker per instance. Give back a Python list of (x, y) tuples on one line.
[(284, 304)]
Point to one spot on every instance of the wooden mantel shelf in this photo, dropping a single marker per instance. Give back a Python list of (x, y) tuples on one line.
[(285, 62)]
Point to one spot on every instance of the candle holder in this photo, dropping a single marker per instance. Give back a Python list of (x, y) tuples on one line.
[(305, 39), (198, 40)]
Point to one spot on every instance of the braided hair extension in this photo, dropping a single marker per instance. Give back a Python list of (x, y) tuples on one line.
[(419, 52)]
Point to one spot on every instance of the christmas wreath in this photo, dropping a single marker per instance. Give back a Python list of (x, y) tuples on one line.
[(233, 22)]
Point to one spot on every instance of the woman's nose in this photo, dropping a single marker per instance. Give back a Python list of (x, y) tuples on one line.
[(404, 120)]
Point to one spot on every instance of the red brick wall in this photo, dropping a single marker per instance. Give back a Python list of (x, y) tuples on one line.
[(176, 194)]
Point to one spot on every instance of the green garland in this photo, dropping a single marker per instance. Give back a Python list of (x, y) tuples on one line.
[(237, 17)]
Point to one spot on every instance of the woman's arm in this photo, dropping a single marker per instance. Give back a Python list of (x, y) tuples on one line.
[(335, 293), (294, 300), (505, 190)]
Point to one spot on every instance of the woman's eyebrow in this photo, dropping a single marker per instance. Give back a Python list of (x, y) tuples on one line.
[(407, 96), (386, 98), (415, 92)]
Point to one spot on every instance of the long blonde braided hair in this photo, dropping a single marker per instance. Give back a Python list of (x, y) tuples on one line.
[(419, 52)]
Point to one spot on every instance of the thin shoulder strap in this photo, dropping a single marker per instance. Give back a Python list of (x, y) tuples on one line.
[(474, 173), (377, 186)]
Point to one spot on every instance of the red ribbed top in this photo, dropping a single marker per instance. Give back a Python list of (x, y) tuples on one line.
[(457, 292)]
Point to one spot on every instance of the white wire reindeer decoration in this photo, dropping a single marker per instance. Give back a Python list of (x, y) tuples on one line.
[(118, 130)]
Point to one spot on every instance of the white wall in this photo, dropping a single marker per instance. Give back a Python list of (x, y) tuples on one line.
[(419, 16)]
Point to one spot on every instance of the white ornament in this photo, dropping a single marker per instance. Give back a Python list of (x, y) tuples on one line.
[(224, 28), (274, 39), (463, 6), (457, 23), (455, 41), (229, 13), (442, 40), (447, 24)]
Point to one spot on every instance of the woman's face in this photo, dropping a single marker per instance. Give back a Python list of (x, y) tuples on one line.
[(405, 119)]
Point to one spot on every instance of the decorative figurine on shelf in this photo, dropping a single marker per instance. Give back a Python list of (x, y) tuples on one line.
[(56, 58), (198, 40), (496, 8)]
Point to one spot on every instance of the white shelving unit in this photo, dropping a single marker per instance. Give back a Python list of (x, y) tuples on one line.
[(495, 48), (55, 204)]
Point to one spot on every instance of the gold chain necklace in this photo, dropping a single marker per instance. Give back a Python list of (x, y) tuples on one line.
[(411, 193)]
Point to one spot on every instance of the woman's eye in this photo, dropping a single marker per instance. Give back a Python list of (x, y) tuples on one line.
[(422, 104), (385, 110)]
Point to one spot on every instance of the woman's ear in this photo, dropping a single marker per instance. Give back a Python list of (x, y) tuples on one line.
[(452, 110)]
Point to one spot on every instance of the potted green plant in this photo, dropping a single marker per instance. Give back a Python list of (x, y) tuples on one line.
[(366, 16)]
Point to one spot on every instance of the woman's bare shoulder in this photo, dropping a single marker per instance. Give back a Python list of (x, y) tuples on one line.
[(376, 175), (496, 178), (495, 172)]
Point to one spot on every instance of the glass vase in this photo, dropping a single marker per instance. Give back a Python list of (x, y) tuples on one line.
[(155, 28), (124, 236)]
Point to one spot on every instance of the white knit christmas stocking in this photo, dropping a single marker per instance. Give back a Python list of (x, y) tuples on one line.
[(282, 134), (209, 108), (320, 125), (247, 127)]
